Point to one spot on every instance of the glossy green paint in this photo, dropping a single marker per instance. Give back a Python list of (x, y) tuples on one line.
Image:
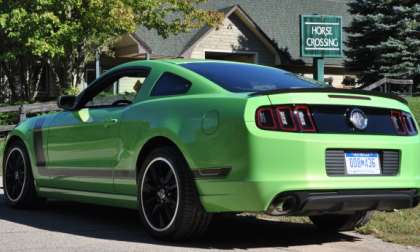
[(281, 161), (213, 128)]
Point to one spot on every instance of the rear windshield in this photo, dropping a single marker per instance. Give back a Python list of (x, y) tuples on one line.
[(250, 78)]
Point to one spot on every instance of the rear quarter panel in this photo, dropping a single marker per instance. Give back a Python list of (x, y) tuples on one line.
[(208, 129)]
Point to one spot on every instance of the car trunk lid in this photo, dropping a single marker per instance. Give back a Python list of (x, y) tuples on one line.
[(330, 110), (333, 96)]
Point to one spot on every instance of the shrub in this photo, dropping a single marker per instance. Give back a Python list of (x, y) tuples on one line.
[(349, 81)]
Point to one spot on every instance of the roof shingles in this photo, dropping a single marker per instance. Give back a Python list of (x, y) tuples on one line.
[(279, 19)]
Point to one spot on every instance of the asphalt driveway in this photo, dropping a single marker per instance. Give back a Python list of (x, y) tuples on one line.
[(63, 226)]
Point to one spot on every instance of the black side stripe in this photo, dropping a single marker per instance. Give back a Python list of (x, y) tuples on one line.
[(39, 143), (124, 174), (66, 172), (83, 172)]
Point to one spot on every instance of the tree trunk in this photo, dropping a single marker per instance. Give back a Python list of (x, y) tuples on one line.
[(36, 81), (62, 72), (11, 79)]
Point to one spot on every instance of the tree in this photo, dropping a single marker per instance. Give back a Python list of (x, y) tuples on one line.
[(401, 50), (22, 49), (66, 34), (384, 39)]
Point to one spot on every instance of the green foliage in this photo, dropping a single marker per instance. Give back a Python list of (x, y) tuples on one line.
[(66, 34), (384, 39), (71, 91), (349, 81), (9, 118), (401, 51)]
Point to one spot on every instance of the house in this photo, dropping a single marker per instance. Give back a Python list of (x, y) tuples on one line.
[(263, 32)]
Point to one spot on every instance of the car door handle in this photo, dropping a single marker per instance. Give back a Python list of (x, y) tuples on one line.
[(110, 122)]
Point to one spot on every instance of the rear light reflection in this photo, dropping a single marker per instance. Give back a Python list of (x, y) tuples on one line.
[(286, 118)]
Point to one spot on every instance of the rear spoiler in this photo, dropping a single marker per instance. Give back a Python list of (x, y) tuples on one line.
[(330, 90)]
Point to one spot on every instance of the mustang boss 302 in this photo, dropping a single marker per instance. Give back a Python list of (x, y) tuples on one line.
[(182, 141)]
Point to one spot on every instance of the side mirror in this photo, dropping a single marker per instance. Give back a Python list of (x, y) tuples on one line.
[(66, 102)]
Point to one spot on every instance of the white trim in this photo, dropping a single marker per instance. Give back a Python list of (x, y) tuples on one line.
[(322, 49), (320, 23), (256, 59)]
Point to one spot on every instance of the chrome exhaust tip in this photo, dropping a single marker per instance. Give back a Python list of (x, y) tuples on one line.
[(283, 205)]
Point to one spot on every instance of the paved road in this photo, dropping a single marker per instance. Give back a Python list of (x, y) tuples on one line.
[(62, 226)]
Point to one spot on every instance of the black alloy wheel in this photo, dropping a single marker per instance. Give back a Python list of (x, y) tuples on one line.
[(18, 180), (160, 190), (15, 174), (169, 205)]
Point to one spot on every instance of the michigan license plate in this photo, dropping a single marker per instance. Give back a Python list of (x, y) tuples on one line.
[(362, 163)]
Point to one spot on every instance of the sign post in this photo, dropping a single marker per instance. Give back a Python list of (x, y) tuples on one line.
[(318, 66), (321, 37)]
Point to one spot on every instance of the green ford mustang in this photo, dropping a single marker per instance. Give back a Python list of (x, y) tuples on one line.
[(183, 141)]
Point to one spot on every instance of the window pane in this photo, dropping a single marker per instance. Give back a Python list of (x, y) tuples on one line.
[(129, 86), (170, 84), (250, 78), (121, 88)]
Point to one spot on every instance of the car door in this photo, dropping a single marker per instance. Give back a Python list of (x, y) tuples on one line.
[(84, 145)]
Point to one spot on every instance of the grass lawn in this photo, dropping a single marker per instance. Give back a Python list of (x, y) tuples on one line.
[(399, 226), (414, 104)]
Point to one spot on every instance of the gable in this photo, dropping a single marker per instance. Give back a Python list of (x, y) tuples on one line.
[(234, 36), (278, 19), (130, 45), (238, 33)]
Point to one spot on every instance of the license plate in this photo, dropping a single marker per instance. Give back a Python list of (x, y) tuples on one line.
[(362, 163)]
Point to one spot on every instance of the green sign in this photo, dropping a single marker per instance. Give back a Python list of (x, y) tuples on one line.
[(321, 36)]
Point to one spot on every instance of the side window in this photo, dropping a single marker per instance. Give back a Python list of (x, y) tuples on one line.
[(119, 90), (170, 84)]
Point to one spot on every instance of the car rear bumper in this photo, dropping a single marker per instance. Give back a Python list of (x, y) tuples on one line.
[(292, 162), (342, 201), (241, 196)]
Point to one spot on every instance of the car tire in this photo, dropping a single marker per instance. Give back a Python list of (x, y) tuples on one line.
[(336, 222), (168, 201), (18, 181)]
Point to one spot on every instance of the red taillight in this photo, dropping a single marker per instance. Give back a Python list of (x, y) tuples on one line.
[(403, 123), (304, 117), (286, 118), (265, 118)]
